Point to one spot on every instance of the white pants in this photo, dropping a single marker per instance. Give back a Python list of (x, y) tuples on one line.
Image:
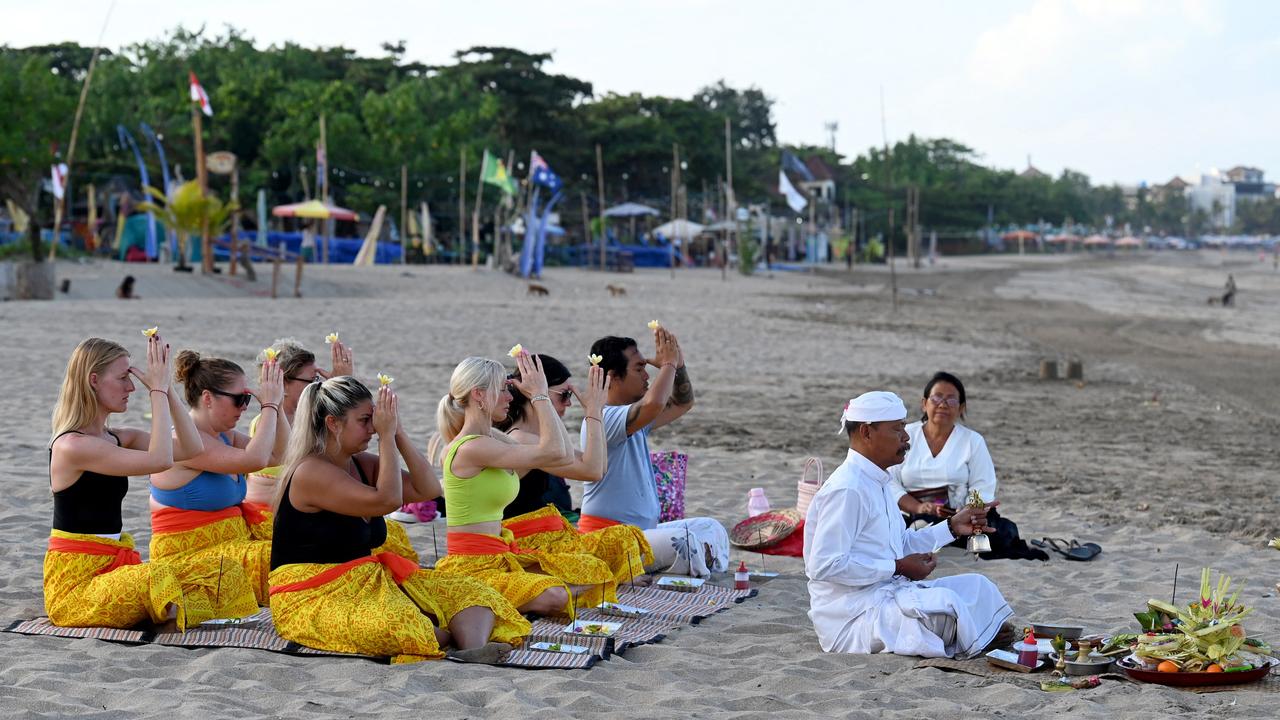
[(672, 542)]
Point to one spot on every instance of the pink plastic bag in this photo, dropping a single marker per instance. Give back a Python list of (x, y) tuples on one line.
[(670, 469)]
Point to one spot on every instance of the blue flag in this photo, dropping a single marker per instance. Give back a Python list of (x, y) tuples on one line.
[(541, 174)]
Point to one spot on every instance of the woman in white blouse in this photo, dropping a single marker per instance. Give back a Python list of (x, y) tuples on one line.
[(946, 463)]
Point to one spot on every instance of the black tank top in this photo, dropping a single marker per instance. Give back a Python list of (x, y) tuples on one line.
[(322, 537), (91, 504)]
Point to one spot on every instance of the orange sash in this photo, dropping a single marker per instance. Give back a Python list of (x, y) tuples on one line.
[(401, 568), (465, 543), (533, 526), (175, 520), (123, 556), (591, 523)]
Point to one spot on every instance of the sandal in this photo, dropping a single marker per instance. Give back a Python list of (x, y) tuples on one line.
[(1072, 550)]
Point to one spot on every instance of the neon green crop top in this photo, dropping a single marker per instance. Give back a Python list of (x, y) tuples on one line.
[(480, 498)]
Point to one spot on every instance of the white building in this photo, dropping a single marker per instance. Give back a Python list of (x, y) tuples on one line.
[(1216, 196)]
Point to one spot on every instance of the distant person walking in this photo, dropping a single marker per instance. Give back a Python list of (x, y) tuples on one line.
[(1229, 291)]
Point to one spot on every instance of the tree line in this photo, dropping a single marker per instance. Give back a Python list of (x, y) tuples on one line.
[(386, 112)]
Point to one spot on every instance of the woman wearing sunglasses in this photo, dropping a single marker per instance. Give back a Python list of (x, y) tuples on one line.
[(948, 462), (535, 518), (197, 506)]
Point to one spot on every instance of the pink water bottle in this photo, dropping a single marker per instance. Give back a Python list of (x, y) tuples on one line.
[(757, 503)]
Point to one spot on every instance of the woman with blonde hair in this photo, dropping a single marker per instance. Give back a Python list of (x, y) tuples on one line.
[(92, 574), (622, 547), (330, 589), (482, 469), (197, 508), (299, 371)]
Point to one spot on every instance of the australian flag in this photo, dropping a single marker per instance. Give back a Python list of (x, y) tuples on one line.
[(540, 172)]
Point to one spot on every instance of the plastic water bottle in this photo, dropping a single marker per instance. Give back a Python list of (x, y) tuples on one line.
[(757, 503)]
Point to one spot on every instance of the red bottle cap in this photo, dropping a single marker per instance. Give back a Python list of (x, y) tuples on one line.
[(742, 566)]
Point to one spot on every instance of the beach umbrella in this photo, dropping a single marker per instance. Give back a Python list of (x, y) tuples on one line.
[(680, 229), (630, 209), (722, 225), (314, 210), (1065, 238), (1129, 241), (1096, 241), (1019, 235)]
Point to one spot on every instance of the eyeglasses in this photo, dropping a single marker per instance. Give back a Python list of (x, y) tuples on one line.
[(241, 399), (948, 401)]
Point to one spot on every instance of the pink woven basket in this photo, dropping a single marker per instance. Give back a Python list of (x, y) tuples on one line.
[(807, 488)]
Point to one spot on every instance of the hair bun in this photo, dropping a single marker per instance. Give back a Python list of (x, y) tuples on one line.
[(185, 364)]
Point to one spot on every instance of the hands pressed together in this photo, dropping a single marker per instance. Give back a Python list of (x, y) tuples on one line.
[(159, 370)]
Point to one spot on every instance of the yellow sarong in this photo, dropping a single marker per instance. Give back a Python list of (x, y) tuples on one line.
[(378, 605), (398, 542), (521, 575), (92, 581), (236, 535), (622, 547)]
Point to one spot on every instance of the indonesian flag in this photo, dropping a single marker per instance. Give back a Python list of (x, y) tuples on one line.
[(198, 95)]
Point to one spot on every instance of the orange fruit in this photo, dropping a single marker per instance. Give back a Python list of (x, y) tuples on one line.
[(1168, 666), (1214, 668)]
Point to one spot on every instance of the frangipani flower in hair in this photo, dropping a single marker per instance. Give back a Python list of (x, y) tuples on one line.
[(270, 353)]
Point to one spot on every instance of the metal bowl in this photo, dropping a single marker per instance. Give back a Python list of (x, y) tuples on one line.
[(1050, 630), (1096, 665)]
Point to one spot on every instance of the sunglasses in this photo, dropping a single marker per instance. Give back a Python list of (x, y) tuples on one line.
[(313, 379), (565, 395), (241, 399)]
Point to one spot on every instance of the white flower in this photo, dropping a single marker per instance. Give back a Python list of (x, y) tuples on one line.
[(151, 332), (385, 380), (331, 338), (515, 350)]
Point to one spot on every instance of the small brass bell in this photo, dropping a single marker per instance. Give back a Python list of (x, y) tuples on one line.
[(978, 542)]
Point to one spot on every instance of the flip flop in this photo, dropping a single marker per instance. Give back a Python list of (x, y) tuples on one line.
[(1072, 550)]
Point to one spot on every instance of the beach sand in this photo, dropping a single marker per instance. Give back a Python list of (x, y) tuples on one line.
[(1164, 455)]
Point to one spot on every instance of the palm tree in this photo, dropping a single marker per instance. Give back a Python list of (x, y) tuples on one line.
[(187, 212)]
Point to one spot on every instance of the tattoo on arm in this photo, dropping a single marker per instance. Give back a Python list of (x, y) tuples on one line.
[(682, 393)]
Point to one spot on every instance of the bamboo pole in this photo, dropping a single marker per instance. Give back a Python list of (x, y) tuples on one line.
[(60, 207), (462, 204), (404, 212), (586, 226), (604, 229), (324, 191), (730, 212), (675, 205), (202, 176), (475, 219), (235, 216)]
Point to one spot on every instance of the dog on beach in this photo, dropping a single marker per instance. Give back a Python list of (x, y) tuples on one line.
[(536, 289), (616, 290)]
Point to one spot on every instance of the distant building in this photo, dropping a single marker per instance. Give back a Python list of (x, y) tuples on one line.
[(823, 184), (1250, 183), (1216, 196)]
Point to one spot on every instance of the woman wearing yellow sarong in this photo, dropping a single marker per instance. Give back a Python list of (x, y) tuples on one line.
[(622, 547), (329, 590), (197, 509), (478, 485), (92, 574), (298, 369)]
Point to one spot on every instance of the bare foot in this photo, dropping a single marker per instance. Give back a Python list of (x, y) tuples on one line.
[(491, 653)]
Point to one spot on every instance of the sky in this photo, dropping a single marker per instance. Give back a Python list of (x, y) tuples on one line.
[(1125, 91)]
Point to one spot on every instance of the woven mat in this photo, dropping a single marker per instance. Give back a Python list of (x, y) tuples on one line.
[(668, 610), (981, 668)]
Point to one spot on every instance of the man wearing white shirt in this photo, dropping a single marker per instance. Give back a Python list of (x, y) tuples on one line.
[(867, 587)]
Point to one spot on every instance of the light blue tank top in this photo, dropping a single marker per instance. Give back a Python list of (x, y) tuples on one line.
[(207, 491)]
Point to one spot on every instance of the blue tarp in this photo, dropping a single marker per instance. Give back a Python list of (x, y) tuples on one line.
[(341, 250)]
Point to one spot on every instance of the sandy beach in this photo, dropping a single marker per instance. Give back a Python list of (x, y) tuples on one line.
[(1165, 454)]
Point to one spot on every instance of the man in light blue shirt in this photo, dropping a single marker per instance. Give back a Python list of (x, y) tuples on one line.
[(627, 493)]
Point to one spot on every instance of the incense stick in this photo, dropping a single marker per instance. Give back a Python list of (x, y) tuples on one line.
[(1173, 599)]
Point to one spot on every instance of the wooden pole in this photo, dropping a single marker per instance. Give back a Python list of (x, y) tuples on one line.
[(235, 216), (324, 191), (888, 165), (404, 212), (604, 229), (60, 207), (275, 276), (202, 176), (586, 227), (475, 219), (297, 278), (730, 212), (462, 204), (675, 205)]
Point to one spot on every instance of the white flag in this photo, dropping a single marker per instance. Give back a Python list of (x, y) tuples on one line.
[(794, 198), (58, 179)]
